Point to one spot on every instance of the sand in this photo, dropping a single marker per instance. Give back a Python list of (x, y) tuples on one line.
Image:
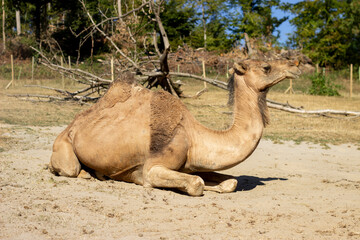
[(285, 191)]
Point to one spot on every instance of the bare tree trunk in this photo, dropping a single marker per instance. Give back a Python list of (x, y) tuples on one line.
[(119, 9), (37, 21), (203, 22), (248, 44), (3, 24), (18, 22)]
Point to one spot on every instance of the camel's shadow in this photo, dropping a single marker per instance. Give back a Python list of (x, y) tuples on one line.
[(247, 183)]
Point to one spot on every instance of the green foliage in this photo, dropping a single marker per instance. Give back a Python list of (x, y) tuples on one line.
[(255, 18), (322, 85), (179, 21), (327, 30), (217, 39)]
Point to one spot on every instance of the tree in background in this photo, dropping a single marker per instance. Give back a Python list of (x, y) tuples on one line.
[(327, 30), (199, 24), (179, 19), (255, 18)]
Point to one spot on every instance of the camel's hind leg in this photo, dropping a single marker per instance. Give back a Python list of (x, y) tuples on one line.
[(218, 182), (63, 159)]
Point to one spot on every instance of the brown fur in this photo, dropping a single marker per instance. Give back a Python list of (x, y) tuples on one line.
[(166, 114), (119, 91), (261, 101), (264, 108)]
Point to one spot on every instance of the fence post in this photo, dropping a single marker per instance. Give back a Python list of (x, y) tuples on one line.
[(112, 68), (62, 75), (351, 79), (290, 88), (227, 70), (69, 60), (32, 68), (317, 68), (12, 72), (204, 72), (19, 74)]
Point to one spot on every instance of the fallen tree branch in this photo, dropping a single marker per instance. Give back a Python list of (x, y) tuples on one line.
[(37, 96), (325, 112), (216, 83), (57, 98), (284, 104)]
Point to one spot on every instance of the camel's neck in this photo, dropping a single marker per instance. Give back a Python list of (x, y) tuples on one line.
[(225, 149), (250, 110)]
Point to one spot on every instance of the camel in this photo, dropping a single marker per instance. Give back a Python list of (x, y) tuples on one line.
[(150, 138)]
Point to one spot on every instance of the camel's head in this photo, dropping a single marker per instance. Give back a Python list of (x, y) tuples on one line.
[(261, 75)]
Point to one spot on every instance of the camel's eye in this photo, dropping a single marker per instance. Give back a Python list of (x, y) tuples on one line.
[(267, 69)]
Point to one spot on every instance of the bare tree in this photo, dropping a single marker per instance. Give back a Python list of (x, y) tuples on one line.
[(135, 40), (3, 25), (18, 22), (203, 22)]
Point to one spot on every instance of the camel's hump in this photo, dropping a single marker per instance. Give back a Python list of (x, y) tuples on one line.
[(166, 114), (118, 92)]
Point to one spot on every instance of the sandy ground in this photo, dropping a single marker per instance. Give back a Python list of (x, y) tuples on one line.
[(285, 191)]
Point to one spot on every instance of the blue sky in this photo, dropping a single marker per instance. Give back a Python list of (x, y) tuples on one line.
[(285, 28)]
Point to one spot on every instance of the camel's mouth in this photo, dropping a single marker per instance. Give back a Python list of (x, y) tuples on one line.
[(292, 74), (287, 74)]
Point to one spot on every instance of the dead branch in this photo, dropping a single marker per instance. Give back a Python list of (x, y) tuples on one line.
[(324, 113), (284, 104), (118, 50), (216, 83), (57, 98)]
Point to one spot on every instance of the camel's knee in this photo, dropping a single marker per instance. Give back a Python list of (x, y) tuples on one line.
[(64, 167), (64, 162), (195, 186)]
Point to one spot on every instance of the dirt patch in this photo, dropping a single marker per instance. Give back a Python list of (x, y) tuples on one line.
[(285, 191)]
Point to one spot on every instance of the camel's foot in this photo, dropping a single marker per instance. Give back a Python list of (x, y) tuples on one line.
[(84, 174), (226, 186), (218, 182)]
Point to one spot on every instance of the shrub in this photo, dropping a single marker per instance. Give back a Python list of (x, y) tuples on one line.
[(322, 85), (19, 47)]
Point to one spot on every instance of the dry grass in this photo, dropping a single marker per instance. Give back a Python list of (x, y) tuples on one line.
[(210, 109), (34, 113), (322, 130)]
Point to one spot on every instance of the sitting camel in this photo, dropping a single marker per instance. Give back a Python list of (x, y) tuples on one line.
[(149, 138)]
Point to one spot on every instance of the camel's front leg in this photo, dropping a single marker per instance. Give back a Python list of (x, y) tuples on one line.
[(160, 176), (160, 170), (218, 182)]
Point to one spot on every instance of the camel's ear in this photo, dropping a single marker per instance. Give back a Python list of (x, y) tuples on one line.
[(240, 68), (231, 71)]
